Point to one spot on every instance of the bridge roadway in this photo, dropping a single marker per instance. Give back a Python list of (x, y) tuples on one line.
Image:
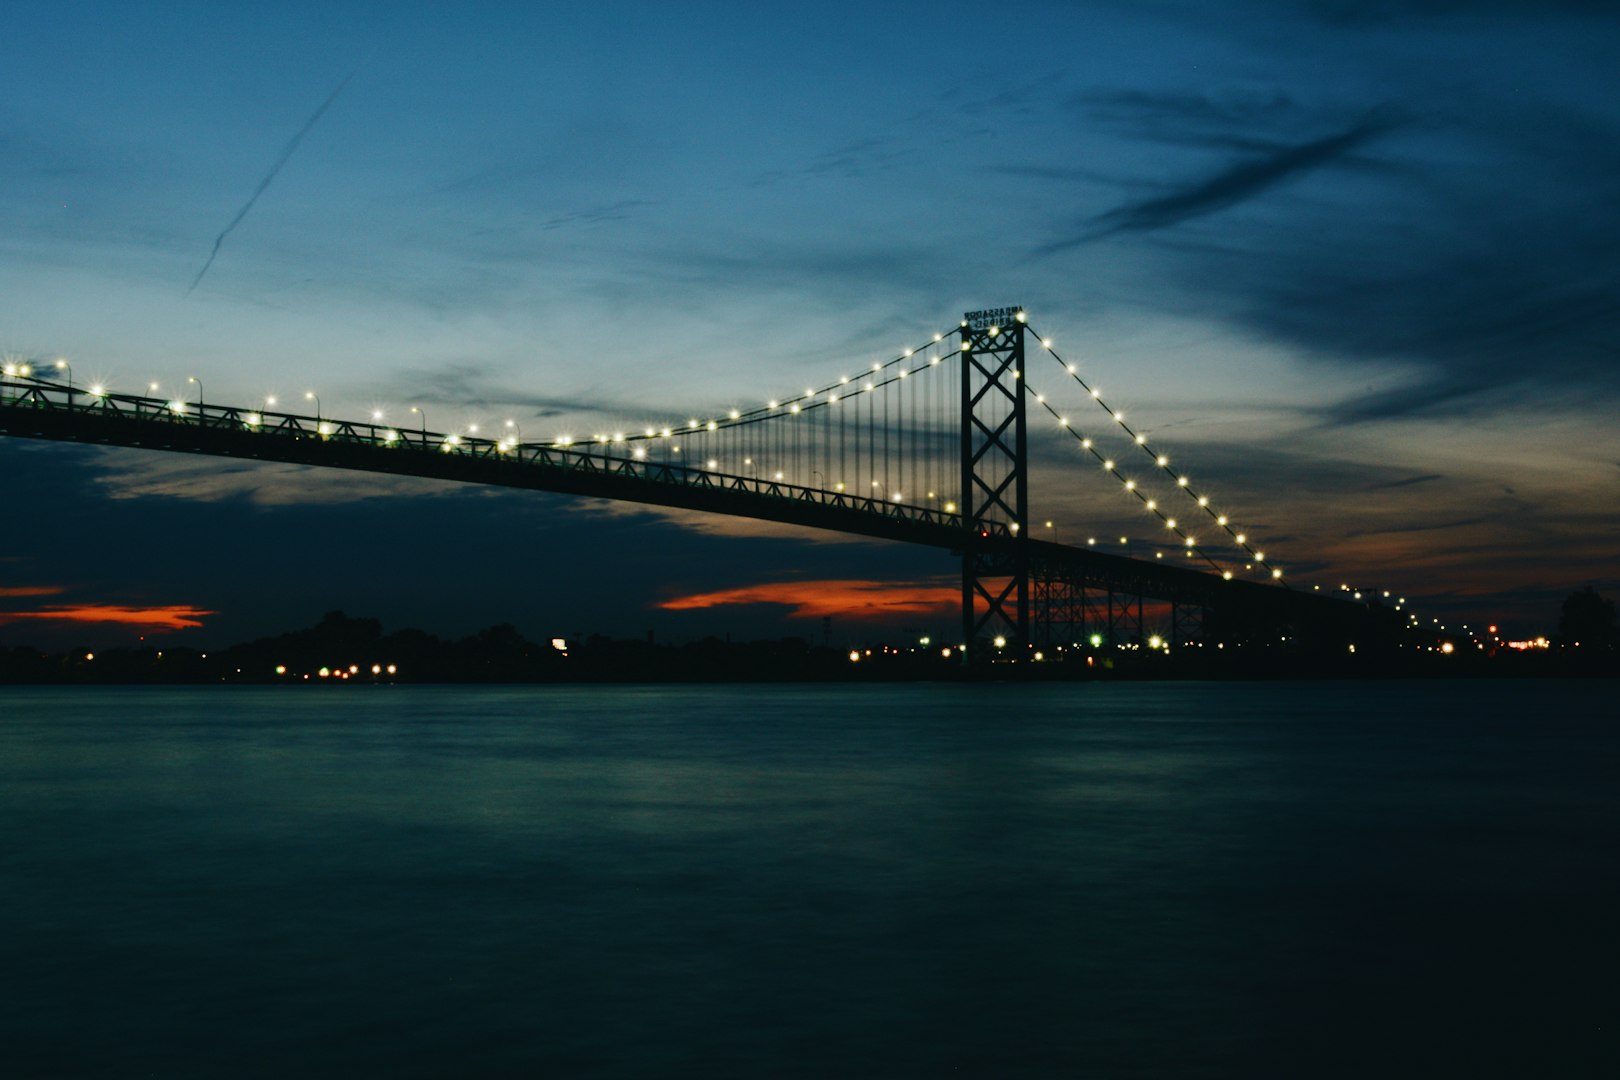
[(34, 409)]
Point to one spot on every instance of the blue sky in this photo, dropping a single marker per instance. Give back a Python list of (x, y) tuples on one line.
[(1356, 263)]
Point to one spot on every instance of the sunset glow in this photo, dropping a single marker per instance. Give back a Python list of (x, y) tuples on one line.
[(168, 617), (851, 599)]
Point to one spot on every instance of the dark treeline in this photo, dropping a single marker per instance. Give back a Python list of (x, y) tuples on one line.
[(341, 649)]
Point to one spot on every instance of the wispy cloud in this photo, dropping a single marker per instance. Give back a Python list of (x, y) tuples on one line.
[(1234, 185), (845, 598), (167, 617)]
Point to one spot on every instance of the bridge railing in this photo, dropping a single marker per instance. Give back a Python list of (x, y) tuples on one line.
[(26, 393)]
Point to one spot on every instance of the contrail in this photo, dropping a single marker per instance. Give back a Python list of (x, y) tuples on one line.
[(286, 152)]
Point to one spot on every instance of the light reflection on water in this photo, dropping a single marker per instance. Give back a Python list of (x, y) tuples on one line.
[(1115, 880)]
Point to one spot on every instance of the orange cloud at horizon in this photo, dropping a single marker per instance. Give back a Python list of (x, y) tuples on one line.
[(167, 617), (846, 598), (10, 591)]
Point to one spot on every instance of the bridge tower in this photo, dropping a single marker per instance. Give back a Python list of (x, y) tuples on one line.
[(995, 484)]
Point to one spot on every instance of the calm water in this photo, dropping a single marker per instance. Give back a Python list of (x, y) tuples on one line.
[(1174, 880)]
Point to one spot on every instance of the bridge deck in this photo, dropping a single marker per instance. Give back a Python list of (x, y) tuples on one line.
[(36, 409)]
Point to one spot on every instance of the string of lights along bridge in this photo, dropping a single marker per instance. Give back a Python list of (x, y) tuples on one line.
[(930, 444)]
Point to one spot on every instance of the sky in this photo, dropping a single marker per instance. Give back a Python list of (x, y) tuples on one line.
[(1357, 264)]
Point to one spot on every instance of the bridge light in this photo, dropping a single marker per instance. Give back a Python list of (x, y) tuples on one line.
[(1181, 481), (1021, 317), (794, 408), (1242, 539), (1155, 642), (966, 346), (1191, 542), (391, 436), (1000, 642), (779, 476), (1109, 465), (1014, 528), (1086, 443), (877, 367), (995, 331), (376, 414), (832, 399), (950, 508), (1203, 500), (97, 390), (1091, 540), (939, 337), (1095, 392), (713, 425), (1259, 556), (1169, 523), (618, 436), (692, 422), (713, 464), (897, 499), (1141, 439), (843, 380), (1151, 504), (906, 354), (1226, 575), (666, 433), (773, 403), (1063, 421), (1130, 485), (736, 415), (1119, 416), (1161, 461), (935, 360), (639, 454), (1221, 520), (1275, 573), (252, 419)]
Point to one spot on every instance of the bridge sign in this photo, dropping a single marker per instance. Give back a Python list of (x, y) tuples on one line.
[(996, 316)]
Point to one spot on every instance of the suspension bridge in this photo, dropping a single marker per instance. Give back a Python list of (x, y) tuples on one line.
[(930, 447)]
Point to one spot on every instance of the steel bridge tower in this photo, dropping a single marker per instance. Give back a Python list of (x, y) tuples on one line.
[(995, 484)]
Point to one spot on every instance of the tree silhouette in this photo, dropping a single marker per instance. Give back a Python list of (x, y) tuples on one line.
[(1588, 619)]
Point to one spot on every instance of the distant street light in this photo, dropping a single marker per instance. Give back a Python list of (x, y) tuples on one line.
[(423, 414), (310, 395), (194, 379), (63, 365), (517, 436)]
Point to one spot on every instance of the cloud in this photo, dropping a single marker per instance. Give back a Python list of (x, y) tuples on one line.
[(18, 591), (1410, 481), (844, 598), (1238, 183), (1366, 12), (167, 617), (616, 211)]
